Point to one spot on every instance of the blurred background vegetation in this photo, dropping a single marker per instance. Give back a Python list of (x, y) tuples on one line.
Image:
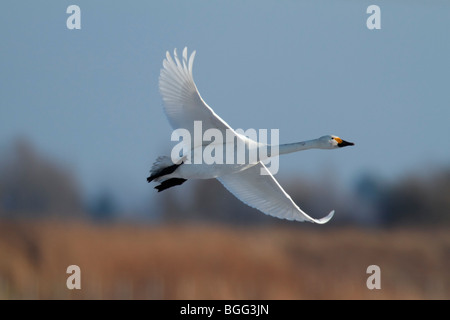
[(33, 186), (202, 243)]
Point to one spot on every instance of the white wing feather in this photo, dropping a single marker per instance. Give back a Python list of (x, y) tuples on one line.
[(182, 102), (264, 193), (183, 105)]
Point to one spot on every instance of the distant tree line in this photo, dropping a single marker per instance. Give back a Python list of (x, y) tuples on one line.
[(414, 200), (33, 186)]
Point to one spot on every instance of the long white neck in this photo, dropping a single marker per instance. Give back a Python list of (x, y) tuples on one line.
[(297, 146)]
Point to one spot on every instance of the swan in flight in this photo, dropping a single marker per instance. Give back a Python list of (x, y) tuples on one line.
[(250, 182)]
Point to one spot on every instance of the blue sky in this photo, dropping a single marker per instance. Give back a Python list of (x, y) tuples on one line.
[(89, 97)]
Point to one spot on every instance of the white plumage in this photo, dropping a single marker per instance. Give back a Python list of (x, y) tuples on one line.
[(182, 101), (252, 183)]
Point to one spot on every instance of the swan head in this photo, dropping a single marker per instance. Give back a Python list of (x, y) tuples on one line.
[(332, 142)]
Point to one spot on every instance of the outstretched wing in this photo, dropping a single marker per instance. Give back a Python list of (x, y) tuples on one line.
[(182, 102), (263, 192)]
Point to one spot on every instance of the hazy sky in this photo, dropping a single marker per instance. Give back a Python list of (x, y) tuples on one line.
[(90, 99)]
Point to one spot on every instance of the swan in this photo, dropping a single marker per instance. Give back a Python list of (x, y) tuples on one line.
[(250, 182)]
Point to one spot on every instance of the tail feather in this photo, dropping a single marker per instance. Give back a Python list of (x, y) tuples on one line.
[(161, 167), (160, 163)]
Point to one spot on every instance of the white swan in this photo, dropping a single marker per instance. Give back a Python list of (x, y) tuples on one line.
[(252, 183)]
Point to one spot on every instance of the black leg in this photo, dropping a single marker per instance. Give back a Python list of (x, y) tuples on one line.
[(170, 183)]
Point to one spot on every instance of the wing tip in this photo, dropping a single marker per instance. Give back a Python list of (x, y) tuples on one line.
[(324, 219)]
